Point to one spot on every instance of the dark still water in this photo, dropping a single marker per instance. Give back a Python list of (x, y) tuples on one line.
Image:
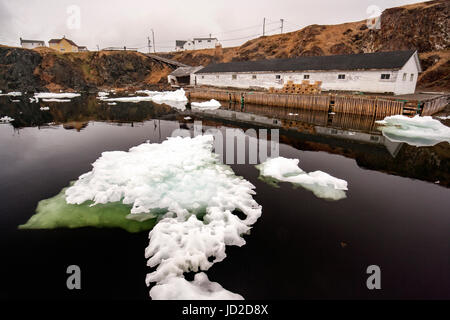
[(396, 214)]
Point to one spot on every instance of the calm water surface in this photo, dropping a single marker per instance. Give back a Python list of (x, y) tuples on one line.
[(396, 214)]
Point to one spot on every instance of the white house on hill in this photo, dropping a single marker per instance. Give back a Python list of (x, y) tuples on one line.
[(30, 44), (196, 44), (381, 72)]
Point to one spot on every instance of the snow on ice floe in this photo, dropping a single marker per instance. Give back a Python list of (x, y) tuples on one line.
[(417, 131), (11, 94), (6, 119), (44, 108), (55, 97), (178, 288), (444, 117), (206, 105), (183, 181), (176, 99), (56, 100), (320, 183)]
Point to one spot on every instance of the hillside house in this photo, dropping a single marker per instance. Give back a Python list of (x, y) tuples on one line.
[(196, 44), (381, 72), (65, 45), (30, 44)]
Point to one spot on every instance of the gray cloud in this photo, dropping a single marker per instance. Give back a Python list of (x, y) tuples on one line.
[(128, 23)]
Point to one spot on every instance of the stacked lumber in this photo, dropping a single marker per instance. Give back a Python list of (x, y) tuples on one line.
[(299, 88)]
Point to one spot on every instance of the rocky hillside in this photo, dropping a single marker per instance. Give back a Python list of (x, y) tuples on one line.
[(423, 26), (45, 69)]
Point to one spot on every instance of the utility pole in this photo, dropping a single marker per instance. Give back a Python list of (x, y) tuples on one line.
[(282, 22), (149, 44), (154, 45), (264, 27)]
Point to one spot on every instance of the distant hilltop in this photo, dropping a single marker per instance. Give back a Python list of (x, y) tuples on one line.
[(422, 26)]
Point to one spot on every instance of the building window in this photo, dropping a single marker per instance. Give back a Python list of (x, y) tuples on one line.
[(234, 76), (278, 76), (254, 76), (385, 76), (62, 49), (217, 76), (404, 76), (199, 41), (412, 77), (306, 76), (209, 40), (341, 76), (203, 77)]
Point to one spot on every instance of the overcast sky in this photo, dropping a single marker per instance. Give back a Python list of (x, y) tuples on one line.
[(128, 22)]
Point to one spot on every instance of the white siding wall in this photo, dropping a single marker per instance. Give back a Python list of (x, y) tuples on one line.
[(407, 77), (366, 81), (31, 45), (204, 44)]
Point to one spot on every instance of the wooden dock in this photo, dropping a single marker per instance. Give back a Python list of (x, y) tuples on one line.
[(376, 106)]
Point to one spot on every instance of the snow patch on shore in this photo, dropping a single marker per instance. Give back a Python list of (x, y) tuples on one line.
[(417, 131), (320, 183)]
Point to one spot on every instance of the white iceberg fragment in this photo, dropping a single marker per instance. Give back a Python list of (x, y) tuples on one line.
[(44, 108), (56, 100), (112, 103), (6, 119), (178, 288), (102, 94), (320, 183), (15, 101), (417, 131), (11, 94), (444, 117), (176, 99), (292, 114), (183, 179), (206, 105), (51, 95), (187, 118)]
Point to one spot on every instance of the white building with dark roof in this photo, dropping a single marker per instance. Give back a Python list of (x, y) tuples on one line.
[(381, 72), (196, 44), (30, 44)]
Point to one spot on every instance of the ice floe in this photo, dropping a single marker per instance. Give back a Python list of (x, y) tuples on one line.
[(178, 288), (444, 117), (206, 105), (187, 118), (55, 97), (11, 94), (417, 131), (112, 103), (56, 100), (102, 94), (6, 119), (320, 183), (44, 108), (176, 99), (182, 181)]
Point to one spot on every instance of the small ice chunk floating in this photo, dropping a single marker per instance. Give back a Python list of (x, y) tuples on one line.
[(320, 183), (54, 97), (176, 99), (206, 105), (194, 194), (417, 131), (6, 119)]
